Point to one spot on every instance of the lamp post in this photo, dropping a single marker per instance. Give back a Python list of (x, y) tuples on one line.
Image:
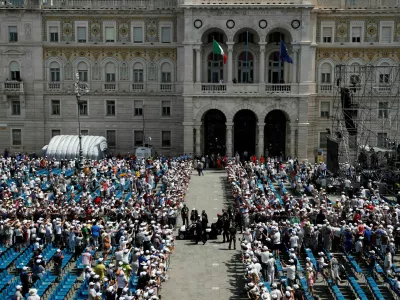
[(80, 88)]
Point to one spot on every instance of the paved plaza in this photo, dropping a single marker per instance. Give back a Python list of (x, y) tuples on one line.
[(210, 271)]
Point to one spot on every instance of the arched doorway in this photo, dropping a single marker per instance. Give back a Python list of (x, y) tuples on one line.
[(245, 132), (214, 132), (275, 133)]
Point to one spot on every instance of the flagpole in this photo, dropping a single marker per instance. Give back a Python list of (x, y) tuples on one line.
[(247, 56), (212, 65), (280, 59)]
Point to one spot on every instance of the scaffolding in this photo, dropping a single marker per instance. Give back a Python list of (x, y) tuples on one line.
[(366, 115)]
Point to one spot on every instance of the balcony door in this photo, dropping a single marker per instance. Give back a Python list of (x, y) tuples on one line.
[(215, 65), (274, 67), (14, 71), (245, 68)]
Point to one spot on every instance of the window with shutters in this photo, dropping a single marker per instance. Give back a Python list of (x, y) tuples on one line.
[(111, 138), (325, 109), (55, 72), (138, 135), (138, 107), (166, 72), (356, 34), (323, 139), (386, 34), (14, 71), (326, 73), (81, 34), (16, 108), (384, 73), (12, 34), (166, 34), (138, 72), (382, 139), (53, 34), (383, 110), (55, 107), (109, 34), (55, 132), (137, 34), (110, 72), (327, 34), (83, 108), (110, 107), (166, 108), (83, 72), (16, 135), (166, 138)]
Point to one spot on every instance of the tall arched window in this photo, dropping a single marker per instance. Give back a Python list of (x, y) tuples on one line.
[(215, 67), (275, 70), (55, 72), (83, 71), (384, 73), (245, 67), (14, 71), (166, 72), (110, 72), (355, 74), (326, 73), (138, 72)]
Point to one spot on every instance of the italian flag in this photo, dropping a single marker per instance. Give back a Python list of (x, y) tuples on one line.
[(217, 49)]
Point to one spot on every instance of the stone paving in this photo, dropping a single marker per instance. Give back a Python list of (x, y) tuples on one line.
[(210, 271)]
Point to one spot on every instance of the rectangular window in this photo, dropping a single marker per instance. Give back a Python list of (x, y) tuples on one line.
[(166, 108), (383, 110), (326, 78), (12, 34), (138, 138), (55, 132), (325, 109), (138, 105), (55, 108), (53, 34), (137, 75), (110, 77), (55, 74), (81, 34), (16, 108), (323, 139), (137, 34), (166, 77), (110, 107), (84, 132), (356, 34), (386, 36), (384, 78), (165, 34), (111, 138), (16, 137), (166, 138), (382, 139), (327, 34), (83, 108), (109, 34), (83, 75)]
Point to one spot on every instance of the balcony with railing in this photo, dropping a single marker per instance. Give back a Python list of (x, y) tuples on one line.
[(10, 4), (357, 4), (54, 86), (13, 87), (166, 87), (111, 4), (109, 87), (213, 88), (138, 87), (278, 88), (245, 2), (325, 88)]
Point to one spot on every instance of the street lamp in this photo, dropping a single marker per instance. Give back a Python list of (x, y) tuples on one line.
[(80, 88)]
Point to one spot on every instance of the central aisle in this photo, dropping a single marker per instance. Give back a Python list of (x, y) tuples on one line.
[(210, 271)]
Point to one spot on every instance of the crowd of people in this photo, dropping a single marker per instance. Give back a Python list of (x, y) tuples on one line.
[(279, 225), (116, 216)]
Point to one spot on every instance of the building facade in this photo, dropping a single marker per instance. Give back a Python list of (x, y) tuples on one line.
[(154, 79)]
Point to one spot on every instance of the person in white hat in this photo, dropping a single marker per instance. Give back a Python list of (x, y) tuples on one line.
[(18, 293), (33, 295)]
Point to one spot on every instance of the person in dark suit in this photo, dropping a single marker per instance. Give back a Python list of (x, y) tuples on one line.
[(199, 232), (232, 237)]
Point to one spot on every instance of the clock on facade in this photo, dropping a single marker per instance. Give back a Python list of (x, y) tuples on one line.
[(262, 24), (230, 24), (198, 23), (295, 24)]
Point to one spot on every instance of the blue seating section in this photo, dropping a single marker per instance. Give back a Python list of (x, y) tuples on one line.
[(312, 258), (357, 289), (374, 288), (10, 289), (43, 283), (133, 284), (24, 259), (48, 253), (304, 286), (335, 289), (63, 288), (67, 258), (392, 286), (5, 279), (354, 264), (9, 257), (82, 293)]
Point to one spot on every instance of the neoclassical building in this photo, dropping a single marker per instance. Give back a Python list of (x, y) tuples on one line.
[(154, 79)]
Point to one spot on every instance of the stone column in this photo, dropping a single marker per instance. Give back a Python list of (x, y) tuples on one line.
[(228, 141), (292, 140), (198, 65), (230, 61), (262, 63), (302, 142), (198, 139), (294, 65), (260, 150)]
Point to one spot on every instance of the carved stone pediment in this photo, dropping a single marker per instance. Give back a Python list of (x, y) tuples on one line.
[(13, 52)]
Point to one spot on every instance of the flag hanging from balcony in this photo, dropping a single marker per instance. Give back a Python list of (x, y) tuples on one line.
[(284, 53), (217, 49)]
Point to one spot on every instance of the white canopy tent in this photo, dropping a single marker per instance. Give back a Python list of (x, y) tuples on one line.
[(67, 147)]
